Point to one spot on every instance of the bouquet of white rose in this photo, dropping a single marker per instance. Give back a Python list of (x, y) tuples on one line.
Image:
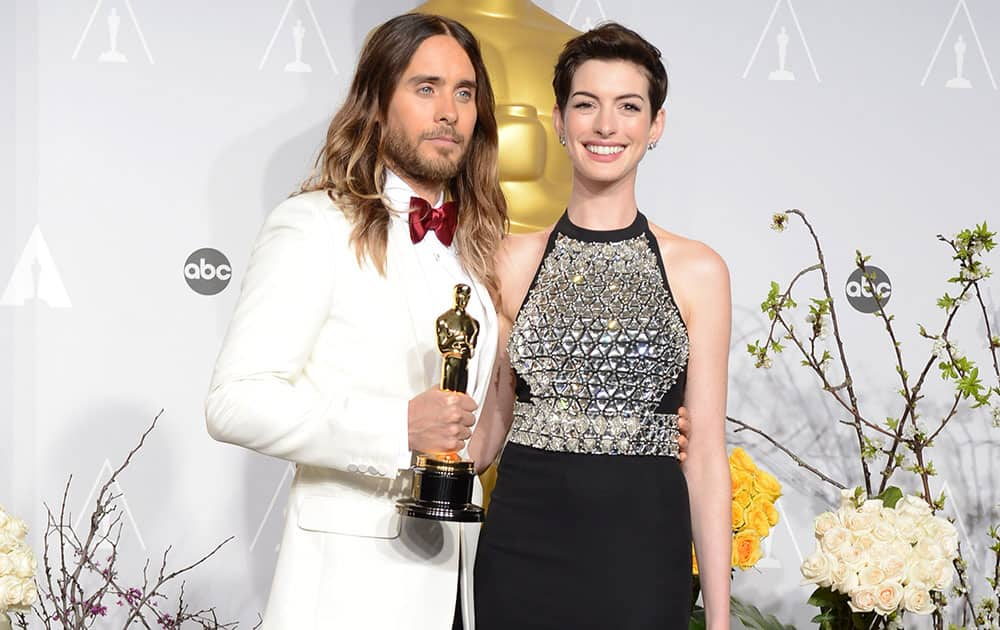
[(880, 557), (17, 566)]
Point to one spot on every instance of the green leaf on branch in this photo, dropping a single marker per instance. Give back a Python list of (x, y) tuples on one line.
[(970, 385), (890, 496)]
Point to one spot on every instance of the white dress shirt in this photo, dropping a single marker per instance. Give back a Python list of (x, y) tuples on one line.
[(439, 263)]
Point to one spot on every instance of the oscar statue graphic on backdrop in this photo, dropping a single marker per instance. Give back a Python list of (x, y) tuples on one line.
[(782, 74), (112, 55), (298, 35), (442, 482), (959, 81), (520, 44)]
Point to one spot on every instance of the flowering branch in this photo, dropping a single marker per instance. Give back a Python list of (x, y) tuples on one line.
[(904, 432), (71, 598)]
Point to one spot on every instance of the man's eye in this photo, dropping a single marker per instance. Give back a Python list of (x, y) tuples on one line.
[(425, 89), (583, 105)]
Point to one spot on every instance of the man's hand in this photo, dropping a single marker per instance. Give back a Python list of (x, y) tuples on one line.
[(440, 421), (684, 426)]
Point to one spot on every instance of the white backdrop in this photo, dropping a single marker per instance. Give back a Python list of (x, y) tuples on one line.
[(113, 172)]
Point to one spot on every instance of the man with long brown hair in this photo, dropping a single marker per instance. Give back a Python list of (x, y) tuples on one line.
[(330, 360)]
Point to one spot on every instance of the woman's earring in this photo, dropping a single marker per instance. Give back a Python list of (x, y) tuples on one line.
[(562, 140), (652, 145)]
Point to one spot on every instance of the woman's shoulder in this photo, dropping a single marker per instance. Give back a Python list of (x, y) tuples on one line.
[(516, 262), (691, 258), (518, 249)]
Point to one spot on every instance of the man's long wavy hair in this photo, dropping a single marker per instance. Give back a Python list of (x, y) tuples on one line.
[(352, 166)]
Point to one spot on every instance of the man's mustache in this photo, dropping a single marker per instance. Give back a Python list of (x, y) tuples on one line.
[(443, 132)]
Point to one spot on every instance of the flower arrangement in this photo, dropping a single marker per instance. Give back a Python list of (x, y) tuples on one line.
[(17, 566), (891, 446), (754, 514), (883, 556)]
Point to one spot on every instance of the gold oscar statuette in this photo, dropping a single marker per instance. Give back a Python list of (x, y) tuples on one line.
[(442, 482)]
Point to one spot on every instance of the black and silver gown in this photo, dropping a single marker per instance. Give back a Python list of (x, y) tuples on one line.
[(589, 524)]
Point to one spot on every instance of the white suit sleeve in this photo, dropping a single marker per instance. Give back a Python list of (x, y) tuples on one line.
[(285, 301)]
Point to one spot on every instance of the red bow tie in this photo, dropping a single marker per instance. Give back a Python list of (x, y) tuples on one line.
[(442, 220)]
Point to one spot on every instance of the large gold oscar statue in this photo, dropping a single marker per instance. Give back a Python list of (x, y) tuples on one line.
[(520, 44)]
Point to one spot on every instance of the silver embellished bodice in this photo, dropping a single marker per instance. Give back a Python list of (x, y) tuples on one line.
[(599, 343)]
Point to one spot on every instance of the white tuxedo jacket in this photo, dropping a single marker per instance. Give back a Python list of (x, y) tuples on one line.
[(318, 366)]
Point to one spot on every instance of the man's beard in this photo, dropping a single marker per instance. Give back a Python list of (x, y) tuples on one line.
[(403, 157)]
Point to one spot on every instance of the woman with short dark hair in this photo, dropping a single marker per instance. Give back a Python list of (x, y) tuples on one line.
[(612, 323)]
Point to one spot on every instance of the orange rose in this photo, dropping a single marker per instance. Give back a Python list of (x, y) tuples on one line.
[(694, 562), (746, 549)]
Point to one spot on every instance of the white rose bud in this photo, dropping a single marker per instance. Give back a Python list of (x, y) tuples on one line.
[(928, 550), (894, 568), (913, 506), (24, 562), (16, 528), (906, 527), (7, 543), (871, 576), (863, 600), (887, 596), (884, 532), (824, 523), (844, 579), (816, 569), (872, 505), (846, 499), (943, 573), (10, 592), (6, 563), (30, 595), (917, 600), (864, 542), (920, 572), (835, 540), (854, 558), (889, 516)]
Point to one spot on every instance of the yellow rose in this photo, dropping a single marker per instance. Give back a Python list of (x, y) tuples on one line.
[(746, 549), (739, 460), (743, 497), (756, 519), (772, 513), (741, 480), (767, 484), (739, 517)]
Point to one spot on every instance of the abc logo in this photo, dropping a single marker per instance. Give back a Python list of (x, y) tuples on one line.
[(860, 292), (207, 271)]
